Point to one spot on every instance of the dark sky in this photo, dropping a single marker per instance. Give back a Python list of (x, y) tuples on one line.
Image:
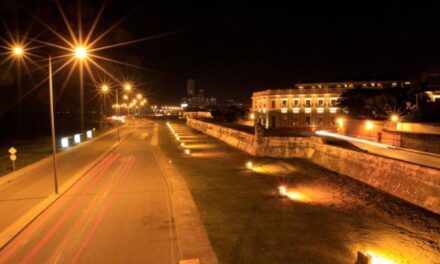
[(232, 49)]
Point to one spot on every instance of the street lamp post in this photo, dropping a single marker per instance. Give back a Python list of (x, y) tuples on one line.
[(52, 127), (81, 54), (19, 52), (395, 120), (104, 89)]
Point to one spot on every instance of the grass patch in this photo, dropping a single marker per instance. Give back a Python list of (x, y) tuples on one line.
[(247, 223)]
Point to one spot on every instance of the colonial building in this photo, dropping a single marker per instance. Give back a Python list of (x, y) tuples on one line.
[(308, 105)]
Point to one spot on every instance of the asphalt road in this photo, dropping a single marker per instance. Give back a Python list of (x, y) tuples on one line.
[(119, 212), (412, 156), (404, 155), (26, 191)]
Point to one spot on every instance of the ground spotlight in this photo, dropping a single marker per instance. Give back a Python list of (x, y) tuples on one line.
[(187, 152), (282, 191)]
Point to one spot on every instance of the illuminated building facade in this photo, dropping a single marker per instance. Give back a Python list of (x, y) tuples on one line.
[(307, 105)]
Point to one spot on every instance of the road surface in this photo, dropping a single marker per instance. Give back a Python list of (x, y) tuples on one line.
[(416, 157), (119, 212), (26, 191)]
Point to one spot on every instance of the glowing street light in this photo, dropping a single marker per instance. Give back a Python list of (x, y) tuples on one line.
[(340, 122), (104, 88), (182, 144), (187, 152), (374, 258), (80, 52), (369, 125), (127, 87), (125, 97), (282, 190), (18, 51)]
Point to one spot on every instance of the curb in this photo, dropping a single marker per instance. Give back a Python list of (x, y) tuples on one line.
[(192, 239), (14, 229)]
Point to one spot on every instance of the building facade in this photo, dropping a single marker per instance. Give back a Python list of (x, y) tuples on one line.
[(307, 105)]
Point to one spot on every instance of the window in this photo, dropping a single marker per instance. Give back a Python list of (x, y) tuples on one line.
[(333, 120), (332, 102), (320, 121), (284, 102), (308, 102), (320, 102), (295, 102), (273, 104)]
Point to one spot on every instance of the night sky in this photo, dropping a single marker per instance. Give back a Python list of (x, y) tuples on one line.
[(234, 49)]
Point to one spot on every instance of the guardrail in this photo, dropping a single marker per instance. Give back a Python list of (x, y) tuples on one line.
[(76, 139)]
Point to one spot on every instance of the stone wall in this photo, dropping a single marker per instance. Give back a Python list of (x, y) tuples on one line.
[(238, 139), (416, 184), (422, 142)]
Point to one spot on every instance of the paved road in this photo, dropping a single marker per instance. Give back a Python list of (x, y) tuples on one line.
[(421, 158), (401, 154), (26, 191), (119, 212)]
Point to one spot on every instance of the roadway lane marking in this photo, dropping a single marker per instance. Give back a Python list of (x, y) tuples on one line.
[(25, 235), (190, 261), (155, 139), (66, 214), (144, 135), (170, 210), (104, 211), (86, 216)]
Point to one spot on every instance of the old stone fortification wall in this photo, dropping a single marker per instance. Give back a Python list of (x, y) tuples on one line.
[(238, 139), (422, 142), (416, 184)]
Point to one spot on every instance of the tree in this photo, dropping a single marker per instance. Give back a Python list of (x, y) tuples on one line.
[(374, 103), (229, 114)]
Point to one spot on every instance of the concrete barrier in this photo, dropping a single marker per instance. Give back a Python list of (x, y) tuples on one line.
[(413, 183)]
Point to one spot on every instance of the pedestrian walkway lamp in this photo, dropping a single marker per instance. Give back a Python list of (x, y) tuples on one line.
[(395, 119)]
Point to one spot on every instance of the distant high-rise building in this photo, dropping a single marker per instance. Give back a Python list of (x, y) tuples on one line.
[(190, 87), (198, 100)]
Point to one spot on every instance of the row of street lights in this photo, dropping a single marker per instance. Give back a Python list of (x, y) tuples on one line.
[(80, 53)]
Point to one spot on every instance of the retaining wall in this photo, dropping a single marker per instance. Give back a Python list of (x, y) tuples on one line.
[(414, 183), (422, 142)]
